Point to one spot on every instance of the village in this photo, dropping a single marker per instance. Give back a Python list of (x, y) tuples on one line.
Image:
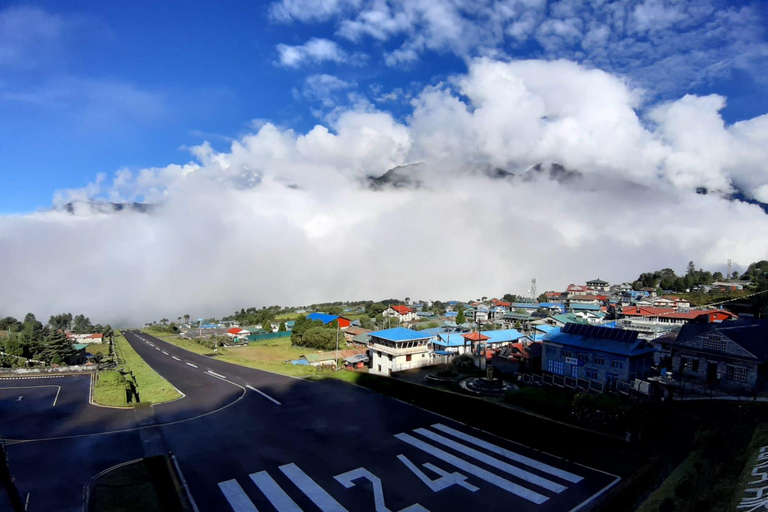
[(599, 337)]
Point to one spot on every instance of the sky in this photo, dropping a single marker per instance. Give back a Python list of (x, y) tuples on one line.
[(252, 128)]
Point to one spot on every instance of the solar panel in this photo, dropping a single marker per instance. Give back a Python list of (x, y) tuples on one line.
[(603, 333)]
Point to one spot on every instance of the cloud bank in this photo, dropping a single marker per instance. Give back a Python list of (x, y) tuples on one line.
[(288, 218)]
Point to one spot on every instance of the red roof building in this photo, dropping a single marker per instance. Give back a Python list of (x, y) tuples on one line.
[(403, 310), (672, 314), (475, 336)]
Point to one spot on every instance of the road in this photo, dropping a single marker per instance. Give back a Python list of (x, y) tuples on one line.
[(248, 440)]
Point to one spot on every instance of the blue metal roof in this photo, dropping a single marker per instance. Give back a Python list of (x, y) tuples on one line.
[(398, 334), (457, 340), (432, 332), (544, 328), (629, 347), (323, 317), (450, 314), (587, 307)]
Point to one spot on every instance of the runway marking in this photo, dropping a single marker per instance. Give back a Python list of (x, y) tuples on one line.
[(487, 459), (236, 497), (309, 487), (38, 377), (166, 353), (56, 399), (192, 365), (446, 479), (546, 468), (274, 493), (512, 488), (216, 374), (262, 394), (176, 358)]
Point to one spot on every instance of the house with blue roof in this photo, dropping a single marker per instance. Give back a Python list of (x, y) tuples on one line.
[(399, 348), (455, 343), (594, 353), (327, 319)]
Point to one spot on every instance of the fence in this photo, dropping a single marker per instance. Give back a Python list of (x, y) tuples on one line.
[(58, 369), (268, 336), (561, 381)]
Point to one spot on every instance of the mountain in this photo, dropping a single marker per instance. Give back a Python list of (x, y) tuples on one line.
[(106, 207)]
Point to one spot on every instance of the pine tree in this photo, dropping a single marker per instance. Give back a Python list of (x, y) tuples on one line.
[(57, 348), (460, 318)]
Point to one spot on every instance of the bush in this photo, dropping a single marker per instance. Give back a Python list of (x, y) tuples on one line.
[(464, 363)]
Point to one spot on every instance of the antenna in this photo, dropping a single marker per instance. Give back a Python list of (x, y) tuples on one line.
[(533, 290), (730, 269)]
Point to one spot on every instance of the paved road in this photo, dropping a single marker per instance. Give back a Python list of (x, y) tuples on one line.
[(248, 440)]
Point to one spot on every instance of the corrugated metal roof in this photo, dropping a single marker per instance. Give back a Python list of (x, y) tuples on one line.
[(398, 334), (323, 317), (610, 341)]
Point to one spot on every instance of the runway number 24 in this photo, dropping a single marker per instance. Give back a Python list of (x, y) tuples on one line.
[(445, 480)]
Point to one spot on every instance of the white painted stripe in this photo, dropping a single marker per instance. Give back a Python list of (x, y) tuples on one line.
[(176, 358), (479, 472), (487, 459), (546, 468), (216, 374), (262, 394), (317, 494), (192, 365), (164, 352), (274, 493), (236, 497)]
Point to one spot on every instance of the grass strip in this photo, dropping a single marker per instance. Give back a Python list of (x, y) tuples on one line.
[(151, 387)]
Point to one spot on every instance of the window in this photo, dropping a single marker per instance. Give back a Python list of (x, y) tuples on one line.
[(738, 373), (691, 364), (555, 367), (574, 371), (408, 358), (567, 353), (583, 357), (600, 360), (551, 351), (615, 363), (592, 374), (715, 342)]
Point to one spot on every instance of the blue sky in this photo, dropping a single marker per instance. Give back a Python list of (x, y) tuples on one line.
[(93, 87)]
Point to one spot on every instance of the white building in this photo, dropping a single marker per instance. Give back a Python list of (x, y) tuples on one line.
[(403, 314), (398, 349)]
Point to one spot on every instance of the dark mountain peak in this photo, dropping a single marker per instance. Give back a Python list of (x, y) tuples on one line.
[(107, 207)]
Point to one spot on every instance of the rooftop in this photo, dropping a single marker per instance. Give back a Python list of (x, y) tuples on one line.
[(398, 334), (600, 339)]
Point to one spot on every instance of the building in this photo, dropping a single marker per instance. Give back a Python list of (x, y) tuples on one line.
[(398, 349), (595, 353), (86, 338), (518, 357), (402, 314), (327, 319), (238, 333), (651, 322), (732, 356), (351, 332), (598, 285)]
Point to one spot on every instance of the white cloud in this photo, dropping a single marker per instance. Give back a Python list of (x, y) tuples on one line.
[(666, 46), (324, 88), (314, 51), (285, 217)]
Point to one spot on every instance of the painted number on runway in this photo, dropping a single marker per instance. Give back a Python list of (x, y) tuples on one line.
[(449, 446)]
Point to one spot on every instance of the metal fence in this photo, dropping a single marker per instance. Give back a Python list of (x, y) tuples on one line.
[(561, 381)]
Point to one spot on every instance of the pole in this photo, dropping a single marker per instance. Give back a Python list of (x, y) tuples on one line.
[(338, 327)]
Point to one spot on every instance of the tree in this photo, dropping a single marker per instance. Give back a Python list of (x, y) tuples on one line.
[(460, 318), (509, 297), (689, 271), (57, 348), (320, 338), (366, 322), (282, 327), (186, 319), (375, 309), (82, 324), (717, 276)]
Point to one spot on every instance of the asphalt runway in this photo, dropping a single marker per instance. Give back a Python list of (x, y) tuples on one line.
[(248, 440)]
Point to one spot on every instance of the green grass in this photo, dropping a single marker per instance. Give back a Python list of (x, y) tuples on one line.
[(177, 340), (110, 389), (98, 348), (152, 388)]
